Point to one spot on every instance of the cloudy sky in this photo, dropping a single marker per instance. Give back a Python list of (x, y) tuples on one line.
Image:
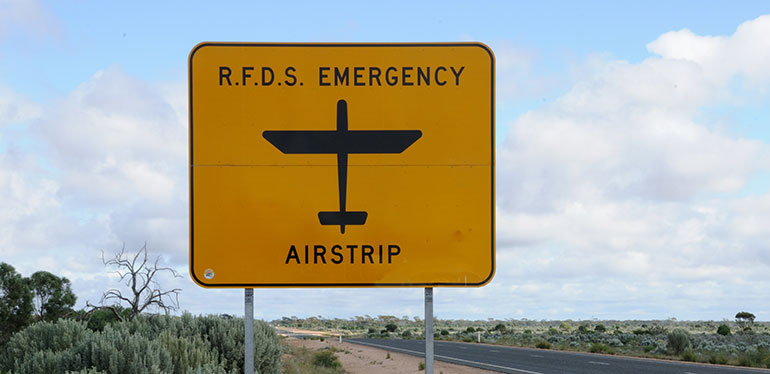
[(633, 149)]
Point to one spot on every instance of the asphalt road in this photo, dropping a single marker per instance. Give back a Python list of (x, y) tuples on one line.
[(542, 361)]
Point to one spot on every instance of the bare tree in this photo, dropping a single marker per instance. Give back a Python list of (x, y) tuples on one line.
[(140, 277)]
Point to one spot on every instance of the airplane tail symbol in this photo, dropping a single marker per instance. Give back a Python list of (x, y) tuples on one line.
[(342, 218)]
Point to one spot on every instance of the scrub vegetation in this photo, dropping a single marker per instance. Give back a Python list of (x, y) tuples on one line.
[(147, 344), (41, 333), (742, 341), (301, 360)]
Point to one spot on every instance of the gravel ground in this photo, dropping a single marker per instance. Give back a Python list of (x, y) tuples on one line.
[(368, 360)]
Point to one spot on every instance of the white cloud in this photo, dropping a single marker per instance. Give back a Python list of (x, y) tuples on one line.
[(23, 199), (16, 109), (106, 166), (26, 14), (746, 52), (619, 184), (118, 140)]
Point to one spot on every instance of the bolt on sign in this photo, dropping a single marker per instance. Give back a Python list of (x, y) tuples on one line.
[(341, 165)]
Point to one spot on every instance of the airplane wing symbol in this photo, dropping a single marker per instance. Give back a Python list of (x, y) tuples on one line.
[(342, 142)]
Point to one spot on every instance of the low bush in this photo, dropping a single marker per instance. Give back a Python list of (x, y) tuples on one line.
[(756, 358), (89, 371), (723, 330), (600, 328), (719, 359), (543, 345), (147, 344), (601, 348), (679, 341), (689, 355), (326, 359)]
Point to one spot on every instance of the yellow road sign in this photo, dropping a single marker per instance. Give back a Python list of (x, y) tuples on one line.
[(341, 165)]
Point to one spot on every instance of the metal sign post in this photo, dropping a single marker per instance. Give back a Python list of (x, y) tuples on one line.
[(428, 330), (248, 324)]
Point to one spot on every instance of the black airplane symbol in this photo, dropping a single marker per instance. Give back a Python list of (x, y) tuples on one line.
[(342, 142)]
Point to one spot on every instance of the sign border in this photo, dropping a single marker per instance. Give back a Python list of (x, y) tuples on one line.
[(344, 45)]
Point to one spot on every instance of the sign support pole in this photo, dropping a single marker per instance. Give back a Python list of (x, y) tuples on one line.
[(248, 324), (428, 330)]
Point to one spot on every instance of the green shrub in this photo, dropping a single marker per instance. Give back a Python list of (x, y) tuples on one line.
[(756, 358), (406, 334), (600, 328), (89, 371), (326, 359), (69, 346), (553, 331), (601, 348), (148, 344), (44, 336), (421, 366), (542, 344), (723, 330), (444, 332), (720, 359), (689, 355), (652, 330), (470, 329), (679, 341), (209, 368)]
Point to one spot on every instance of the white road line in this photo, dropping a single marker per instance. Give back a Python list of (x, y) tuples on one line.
[(490, 365), (538, 356), (597, 363), (449, 358), (493, 350)]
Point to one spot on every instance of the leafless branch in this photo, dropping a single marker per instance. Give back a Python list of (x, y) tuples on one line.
[(140, 277), (101, 307)]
